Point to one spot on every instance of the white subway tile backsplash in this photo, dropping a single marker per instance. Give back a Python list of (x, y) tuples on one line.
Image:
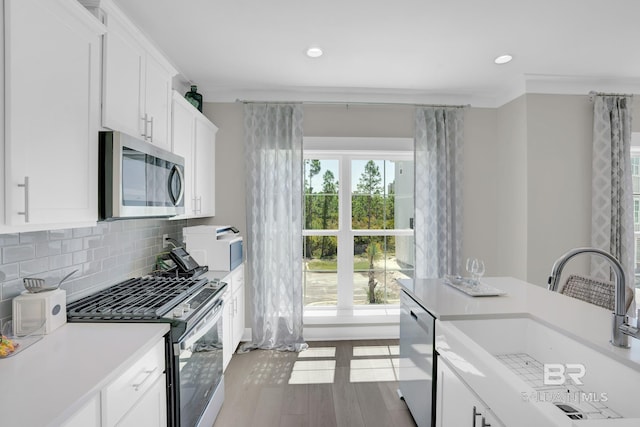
[(60, 261), (100, 253), (82, 232), (91, 242), (33, 237), (9, 239), (11, 254), (9, 272), (72, 245), (82, 257), (105, 254), (60, 234), (48, 248), (34, 267), (11, 289)]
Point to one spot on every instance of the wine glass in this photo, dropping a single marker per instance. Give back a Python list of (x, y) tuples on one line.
[(476, 269)]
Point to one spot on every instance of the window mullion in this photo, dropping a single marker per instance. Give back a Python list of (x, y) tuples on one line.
[(345, 239)]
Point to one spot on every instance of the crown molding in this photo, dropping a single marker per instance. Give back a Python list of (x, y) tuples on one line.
[(527, 84)]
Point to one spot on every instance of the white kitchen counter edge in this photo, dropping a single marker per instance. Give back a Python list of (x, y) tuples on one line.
[(49, 381), (584, 322)]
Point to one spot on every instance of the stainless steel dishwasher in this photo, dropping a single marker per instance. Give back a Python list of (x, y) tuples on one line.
[(417, 360)]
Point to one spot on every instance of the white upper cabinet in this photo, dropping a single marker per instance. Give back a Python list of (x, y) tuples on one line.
[(51, 80), (183, 131), (136, 81), (205, 166), (194, 138)]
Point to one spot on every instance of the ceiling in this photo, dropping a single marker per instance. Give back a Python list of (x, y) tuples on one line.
[(422, 51)]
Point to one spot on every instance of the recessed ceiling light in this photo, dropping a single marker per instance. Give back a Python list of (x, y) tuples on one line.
[(503, 59), (314, 52)]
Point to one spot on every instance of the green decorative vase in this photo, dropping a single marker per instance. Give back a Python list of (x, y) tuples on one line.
[(194, 97)]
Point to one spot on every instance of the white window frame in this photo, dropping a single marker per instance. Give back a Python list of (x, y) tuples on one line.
[(344, 150)]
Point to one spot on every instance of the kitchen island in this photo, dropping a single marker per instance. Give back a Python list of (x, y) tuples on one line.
[(473, 333), (49, 382)]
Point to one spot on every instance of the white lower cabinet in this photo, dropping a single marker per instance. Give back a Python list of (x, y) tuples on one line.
[(136, 398), (133, 395), (87, 416), (457, 404), (150, 410), (233, 313)]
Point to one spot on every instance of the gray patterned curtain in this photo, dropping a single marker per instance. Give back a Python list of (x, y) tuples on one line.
[(273, 153), (612, 196), (438, 190)]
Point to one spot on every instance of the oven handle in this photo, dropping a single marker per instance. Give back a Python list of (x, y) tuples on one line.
[(203, 326)]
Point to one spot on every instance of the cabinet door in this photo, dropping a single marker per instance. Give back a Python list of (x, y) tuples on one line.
[(205, 163), (457, 404), (123, 68), (227, 322), (238, 305), (51, 99), (182, 129), (87, 416), (158, 103), (150, 410)]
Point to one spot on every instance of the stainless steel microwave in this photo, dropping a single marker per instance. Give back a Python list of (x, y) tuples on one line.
[(137, 179)]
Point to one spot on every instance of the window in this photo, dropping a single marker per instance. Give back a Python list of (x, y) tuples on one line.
[(358, 213)]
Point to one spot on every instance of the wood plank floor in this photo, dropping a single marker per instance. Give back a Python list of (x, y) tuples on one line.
[(337, 383)]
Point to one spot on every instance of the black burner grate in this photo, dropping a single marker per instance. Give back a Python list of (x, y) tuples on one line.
[(145, 298)]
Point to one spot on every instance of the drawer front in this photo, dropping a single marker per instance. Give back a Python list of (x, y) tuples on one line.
[(123, 393)]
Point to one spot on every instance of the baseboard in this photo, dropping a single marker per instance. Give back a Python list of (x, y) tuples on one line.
[(351, 332), (344, 332)]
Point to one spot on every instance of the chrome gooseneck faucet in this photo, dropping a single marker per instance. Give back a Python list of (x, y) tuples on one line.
[(620, 330)]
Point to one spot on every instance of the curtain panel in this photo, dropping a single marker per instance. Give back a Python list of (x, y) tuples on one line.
[(273, 156), (612, 227), (438, 190)]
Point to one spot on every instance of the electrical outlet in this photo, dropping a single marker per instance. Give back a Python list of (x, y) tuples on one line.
[(165, 243)]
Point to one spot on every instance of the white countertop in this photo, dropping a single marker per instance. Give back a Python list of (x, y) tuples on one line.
[(587, 323), (47, 382)]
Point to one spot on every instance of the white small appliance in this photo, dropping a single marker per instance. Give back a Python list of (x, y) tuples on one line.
[(32, 310), (217, 246)]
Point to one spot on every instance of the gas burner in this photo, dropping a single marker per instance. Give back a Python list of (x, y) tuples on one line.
[(136, 299)]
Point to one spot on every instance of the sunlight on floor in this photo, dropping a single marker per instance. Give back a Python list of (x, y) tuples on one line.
[(313, 372), (376, 350), (371, 363), (373, 370), (329, 352)]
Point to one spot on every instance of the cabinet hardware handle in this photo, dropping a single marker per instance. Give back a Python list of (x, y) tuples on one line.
[(151, 133), (415, 316), (26, 199), (144, 120), (136, 387), (484, 423), (475, 414), (200, 204)]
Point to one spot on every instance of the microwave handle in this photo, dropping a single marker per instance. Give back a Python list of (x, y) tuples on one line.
[(177, 170)]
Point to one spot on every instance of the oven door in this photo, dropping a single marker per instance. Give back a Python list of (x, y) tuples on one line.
[(199, 380)]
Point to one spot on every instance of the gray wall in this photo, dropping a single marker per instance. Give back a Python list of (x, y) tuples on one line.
[(104, 255), (480, 193)]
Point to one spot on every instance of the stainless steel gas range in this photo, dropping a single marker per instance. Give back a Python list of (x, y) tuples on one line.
[(193, 307)]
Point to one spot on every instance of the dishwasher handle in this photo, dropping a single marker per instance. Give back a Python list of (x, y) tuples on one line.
[(420, 322)]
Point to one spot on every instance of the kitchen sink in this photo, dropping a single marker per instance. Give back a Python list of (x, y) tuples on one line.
[(545, 364)]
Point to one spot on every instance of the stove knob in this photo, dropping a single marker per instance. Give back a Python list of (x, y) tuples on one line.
[(185, 307), (178, 312)]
